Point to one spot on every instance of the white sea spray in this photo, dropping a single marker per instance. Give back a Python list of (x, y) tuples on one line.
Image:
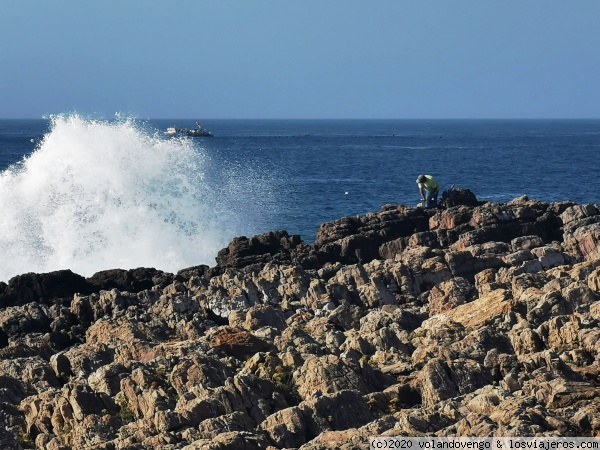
[(96, 195)]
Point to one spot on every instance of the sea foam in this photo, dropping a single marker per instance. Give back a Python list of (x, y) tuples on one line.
[(97, 195)]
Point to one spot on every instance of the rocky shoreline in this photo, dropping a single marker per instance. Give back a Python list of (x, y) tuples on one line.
[(474, 320)]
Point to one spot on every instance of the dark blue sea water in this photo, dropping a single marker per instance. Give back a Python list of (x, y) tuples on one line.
[(313, 164), (297, 174)]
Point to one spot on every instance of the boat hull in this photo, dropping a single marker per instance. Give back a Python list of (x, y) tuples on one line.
[(187, 132)]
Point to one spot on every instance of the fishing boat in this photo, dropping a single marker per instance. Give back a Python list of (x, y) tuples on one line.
[(199, 132)]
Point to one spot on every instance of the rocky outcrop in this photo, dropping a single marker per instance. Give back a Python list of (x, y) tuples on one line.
[(472, 320)]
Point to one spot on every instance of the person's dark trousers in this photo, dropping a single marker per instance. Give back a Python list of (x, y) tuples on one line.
[(432, 199)]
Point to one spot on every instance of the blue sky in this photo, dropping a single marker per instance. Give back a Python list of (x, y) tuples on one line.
[(301, 59)]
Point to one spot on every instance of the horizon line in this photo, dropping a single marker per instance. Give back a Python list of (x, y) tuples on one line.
[(45, 117)]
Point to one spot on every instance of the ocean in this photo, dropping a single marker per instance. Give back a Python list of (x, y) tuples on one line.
[(90, 195)]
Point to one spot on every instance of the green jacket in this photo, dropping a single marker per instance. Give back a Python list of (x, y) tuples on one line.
[(431, 185)]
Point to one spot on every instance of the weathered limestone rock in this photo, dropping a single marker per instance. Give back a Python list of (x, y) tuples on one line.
[(259, 249), (132, 281), (563, 393), (477, 319), (440, 380), (449, 219), (330, 374), (236, 421), (107, 379), (449, 294), (82, 360), (42, 288), (264, 315), (339, 411), (233, 440), (19, 320), (32, 371), (483, 310), (576, 216), (85, 402), (586, 240), (286, 428), (238, 343), (484, 403)]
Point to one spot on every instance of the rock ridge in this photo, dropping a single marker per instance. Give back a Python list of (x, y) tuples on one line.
[(476, 319)]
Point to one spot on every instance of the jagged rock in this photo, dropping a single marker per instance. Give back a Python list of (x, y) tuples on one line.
[(130, 339), (84, 401), (381, 330), (260, 316), (587, 418), (19, 320), (449, 219), (242, 251), (346, 316), (440, 380), (525, 340), (526, 243), (238, 343), (94, 431), (32, 371), (549, 257), (585, 241), (329, 374), (12, 390), (351, 438), (236, 421), (134, 280), (9, 439), (486, 401), (199, 371), (260, 398), (560, 393), (483, 310), (226, 293), (454, 197), (338, 411), (449, 294), (286, 428), (42, 288), (234, 440), (469, 320), (576, 216), (82, 360), (107, 379), (143, 395)]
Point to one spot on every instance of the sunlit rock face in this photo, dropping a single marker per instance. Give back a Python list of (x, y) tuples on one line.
[(469, 320)]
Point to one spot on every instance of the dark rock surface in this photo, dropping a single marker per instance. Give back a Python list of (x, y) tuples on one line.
[(474, 319)]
